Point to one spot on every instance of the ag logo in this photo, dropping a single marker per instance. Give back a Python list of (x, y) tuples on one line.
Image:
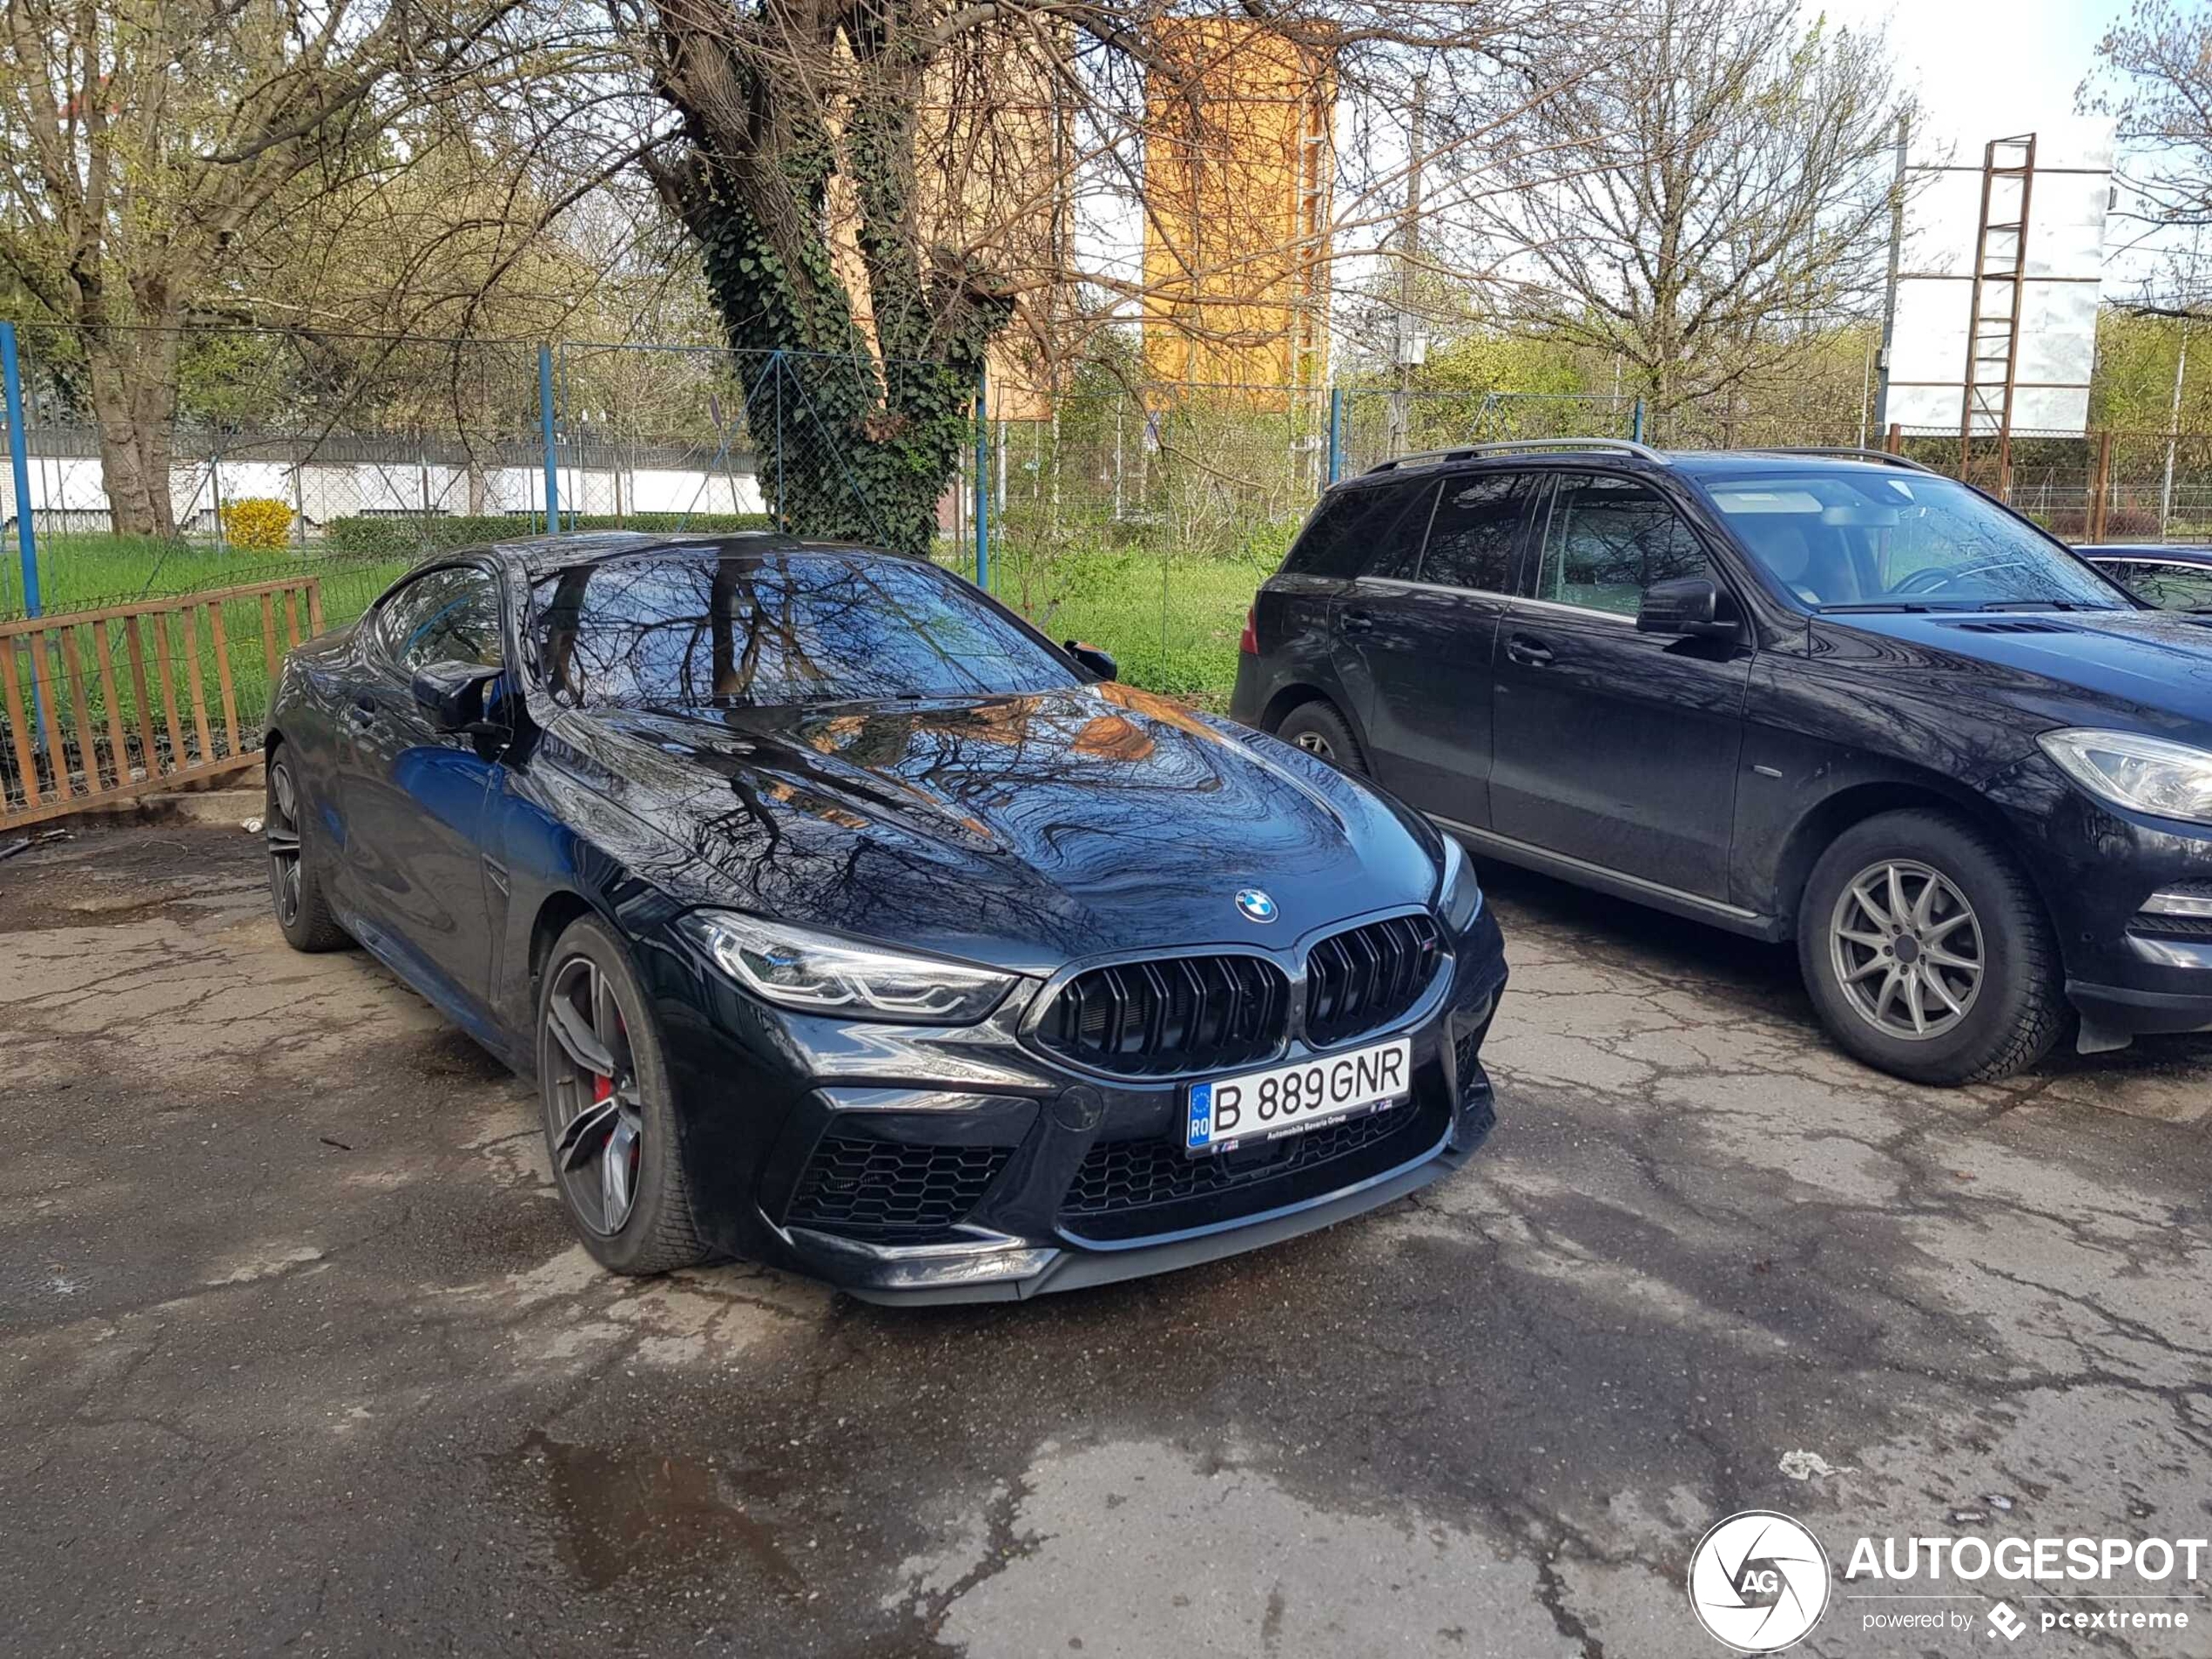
[(1758, 1581)]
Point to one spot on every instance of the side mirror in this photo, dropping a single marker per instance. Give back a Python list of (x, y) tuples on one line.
[(1091, 658), (1687, 607), (452, 694)]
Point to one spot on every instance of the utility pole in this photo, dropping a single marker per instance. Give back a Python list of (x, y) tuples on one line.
[(2190, 291), (1888, 292), (1413, 345)]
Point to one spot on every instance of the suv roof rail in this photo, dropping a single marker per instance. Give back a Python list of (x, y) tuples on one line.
[(1845, 452), (1470, 451)]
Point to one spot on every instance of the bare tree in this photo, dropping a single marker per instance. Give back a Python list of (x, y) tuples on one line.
[(2156, 84), (146, 146), (1706, 205), (882, 180)]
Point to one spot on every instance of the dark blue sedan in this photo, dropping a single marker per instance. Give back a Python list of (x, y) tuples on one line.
[(848, 924)]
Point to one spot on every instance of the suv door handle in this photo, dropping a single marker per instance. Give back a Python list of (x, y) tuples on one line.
[(1358, 622), (1529, 652), (361, 711)]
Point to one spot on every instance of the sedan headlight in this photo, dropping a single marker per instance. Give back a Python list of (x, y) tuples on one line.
[(1458, 894), (2151, 775), (817, 973)]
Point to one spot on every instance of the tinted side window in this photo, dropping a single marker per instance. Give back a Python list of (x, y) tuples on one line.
[(1608, 540), (450, 616), (1470, 540), (1372, 531)]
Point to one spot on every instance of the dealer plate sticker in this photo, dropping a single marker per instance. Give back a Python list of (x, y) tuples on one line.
[(1264, 1105)]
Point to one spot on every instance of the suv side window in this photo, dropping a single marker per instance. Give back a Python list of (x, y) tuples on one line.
[(1471, 538), (448, 616), (2171, 587), (1375, 530), (1608, 539)]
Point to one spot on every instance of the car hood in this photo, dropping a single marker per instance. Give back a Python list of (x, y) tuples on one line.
[(1020, 831), (2149, 670)]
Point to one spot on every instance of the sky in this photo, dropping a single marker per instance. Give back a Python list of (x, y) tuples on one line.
[(1985, 69)]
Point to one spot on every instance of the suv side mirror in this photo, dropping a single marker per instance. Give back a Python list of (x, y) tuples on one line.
[(452, 694), (1091, 658), (1687, 607)]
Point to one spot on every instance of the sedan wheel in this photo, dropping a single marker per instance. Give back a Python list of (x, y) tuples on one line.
[(612, 1130), (599, 1142), (1907, 949), (281, 832), (295, 887)]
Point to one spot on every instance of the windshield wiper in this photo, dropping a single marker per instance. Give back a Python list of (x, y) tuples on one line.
[(1884, 608)]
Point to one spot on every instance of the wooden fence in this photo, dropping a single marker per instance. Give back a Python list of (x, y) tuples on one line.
[(103, 705)]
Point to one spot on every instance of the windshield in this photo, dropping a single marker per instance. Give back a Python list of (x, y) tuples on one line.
[(1900, 540), (684, 628)]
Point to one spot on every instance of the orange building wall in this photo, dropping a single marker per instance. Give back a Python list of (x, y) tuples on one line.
[(1238, 165)]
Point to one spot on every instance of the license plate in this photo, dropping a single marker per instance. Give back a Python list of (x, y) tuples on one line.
[(1266, 1105)]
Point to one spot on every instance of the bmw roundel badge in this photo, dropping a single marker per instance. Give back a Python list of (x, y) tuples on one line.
[(1255, 905)]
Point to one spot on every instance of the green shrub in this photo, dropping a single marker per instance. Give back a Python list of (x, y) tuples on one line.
[(401, 535)]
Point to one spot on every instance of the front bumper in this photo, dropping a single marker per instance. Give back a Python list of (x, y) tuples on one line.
[(978, 1170), (2129, 973)]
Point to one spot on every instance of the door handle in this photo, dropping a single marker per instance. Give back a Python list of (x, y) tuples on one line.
[(361, 711), (1358, 622), (1528, 652)]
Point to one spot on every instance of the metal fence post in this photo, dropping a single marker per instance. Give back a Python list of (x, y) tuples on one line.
[(1336, 433), (545, 427), (299, 498), (19, 462), (1635, 423), (983, 480), (215, 489)]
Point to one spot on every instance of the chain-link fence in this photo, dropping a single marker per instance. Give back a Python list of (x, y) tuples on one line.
[(2085, 487), (1138, 516)]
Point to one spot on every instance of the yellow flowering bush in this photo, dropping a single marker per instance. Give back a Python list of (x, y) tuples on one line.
[(257, 522)]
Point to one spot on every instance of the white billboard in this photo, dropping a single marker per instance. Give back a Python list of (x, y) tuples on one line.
[(2060, 282)]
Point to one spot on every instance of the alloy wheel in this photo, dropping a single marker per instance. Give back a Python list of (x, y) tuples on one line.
[(593, 1102), (281, 832), (1315, 743), (1907, 949)]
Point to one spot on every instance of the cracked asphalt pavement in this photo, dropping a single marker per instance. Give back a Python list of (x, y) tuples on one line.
[(296, 1353)]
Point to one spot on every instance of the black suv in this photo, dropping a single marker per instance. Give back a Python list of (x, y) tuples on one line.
[(1821, 695)]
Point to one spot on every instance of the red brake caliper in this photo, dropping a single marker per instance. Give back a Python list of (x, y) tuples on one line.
[(603, 1088)]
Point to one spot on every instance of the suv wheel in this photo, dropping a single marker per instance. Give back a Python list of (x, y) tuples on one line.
[(1927, 951), (1319, 729)]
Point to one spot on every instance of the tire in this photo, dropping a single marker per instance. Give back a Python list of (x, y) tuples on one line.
[(1318, 728), (295, 878), (658, 1230), (1964, 899)]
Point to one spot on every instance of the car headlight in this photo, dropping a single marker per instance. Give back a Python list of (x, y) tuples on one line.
[(2148, 774), (1458, 894), (817, 973)]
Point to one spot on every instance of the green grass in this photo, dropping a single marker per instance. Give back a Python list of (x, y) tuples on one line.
[(1171, 623)]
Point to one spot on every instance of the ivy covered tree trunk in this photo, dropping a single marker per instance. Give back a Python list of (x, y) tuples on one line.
[(857, 429)]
